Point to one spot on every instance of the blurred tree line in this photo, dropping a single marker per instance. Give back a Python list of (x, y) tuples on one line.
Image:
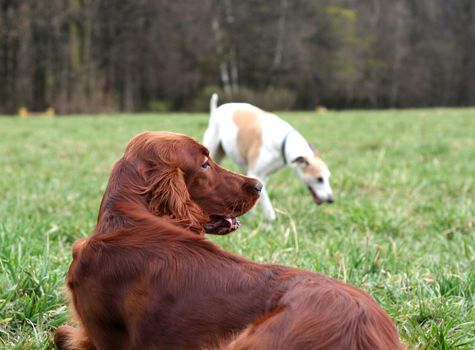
[(135, 55)]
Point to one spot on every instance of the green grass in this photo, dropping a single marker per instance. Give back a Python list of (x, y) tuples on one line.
[(401, 228)]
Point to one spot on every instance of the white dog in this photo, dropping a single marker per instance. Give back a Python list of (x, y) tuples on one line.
[(261, 143)]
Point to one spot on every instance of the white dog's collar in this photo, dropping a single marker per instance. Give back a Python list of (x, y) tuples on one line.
[(282, 147)]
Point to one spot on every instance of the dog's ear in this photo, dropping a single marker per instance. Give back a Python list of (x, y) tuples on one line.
[(168, 196), (301, 161)]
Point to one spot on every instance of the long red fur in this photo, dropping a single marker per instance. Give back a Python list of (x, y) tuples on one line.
[(153, 283)]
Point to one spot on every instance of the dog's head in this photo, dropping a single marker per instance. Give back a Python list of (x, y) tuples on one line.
[(174, 176), (315, 175)]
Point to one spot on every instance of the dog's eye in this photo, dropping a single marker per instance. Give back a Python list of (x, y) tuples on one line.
[(320, 180), (206, 164)]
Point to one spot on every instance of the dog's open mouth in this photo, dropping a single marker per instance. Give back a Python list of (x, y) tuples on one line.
[(316, 198), (221, 225)]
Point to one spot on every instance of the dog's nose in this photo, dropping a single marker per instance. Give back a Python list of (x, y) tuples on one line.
[(258, 187), (330, 200)]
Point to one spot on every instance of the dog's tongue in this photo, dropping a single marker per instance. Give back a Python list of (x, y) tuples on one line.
[(221, 225), (229, 221)]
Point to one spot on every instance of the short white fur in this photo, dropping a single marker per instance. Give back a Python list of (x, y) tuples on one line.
[(222, 132)]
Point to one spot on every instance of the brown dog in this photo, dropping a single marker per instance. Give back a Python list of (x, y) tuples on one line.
[(156, 284), (171, 175)]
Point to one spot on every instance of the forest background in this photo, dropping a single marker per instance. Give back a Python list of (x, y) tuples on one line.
[(84, 56)]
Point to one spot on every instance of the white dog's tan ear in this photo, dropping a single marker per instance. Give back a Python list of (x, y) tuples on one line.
[(301, 161)]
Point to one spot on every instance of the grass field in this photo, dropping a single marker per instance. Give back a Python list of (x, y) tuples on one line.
[(402, 227)]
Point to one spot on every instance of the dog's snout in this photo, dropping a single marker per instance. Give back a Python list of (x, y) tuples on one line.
[(258, 187), (331, 200)]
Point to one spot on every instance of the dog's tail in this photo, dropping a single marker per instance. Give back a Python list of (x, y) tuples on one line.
[(211, 138), (213, 103)]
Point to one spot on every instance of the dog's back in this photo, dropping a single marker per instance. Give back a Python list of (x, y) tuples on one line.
[(245, 133), (322, 314), (160, 286)]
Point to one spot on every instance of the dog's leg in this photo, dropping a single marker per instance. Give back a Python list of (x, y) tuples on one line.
[(266, 205), (70, 338), (267, 208), (212, 142), (218, 154)]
